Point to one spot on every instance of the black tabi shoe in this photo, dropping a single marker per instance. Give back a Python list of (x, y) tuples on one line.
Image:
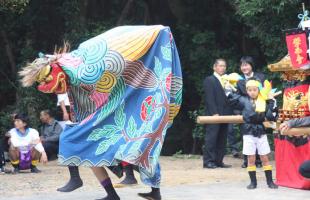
[(129, 176), (154, 195), (34, 169), (253, 179), (269, 180), (75, 181)]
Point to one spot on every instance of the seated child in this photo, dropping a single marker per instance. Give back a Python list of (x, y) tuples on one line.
[(255, 111), (26, 148)]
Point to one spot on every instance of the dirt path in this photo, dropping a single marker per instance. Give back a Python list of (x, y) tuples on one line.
[(176, 173)]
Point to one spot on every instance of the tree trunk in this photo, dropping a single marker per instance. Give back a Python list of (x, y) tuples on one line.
[(124, 12), (9, 53)]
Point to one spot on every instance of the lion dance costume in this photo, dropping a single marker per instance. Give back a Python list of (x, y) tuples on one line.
[(125, 88)]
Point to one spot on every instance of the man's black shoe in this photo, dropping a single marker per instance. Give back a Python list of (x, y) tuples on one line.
[(235, 154), (222, 165), (210, 166)]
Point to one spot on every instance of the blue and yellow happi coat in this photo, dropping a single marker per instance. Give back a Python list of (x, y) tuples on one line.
[(125, 87)]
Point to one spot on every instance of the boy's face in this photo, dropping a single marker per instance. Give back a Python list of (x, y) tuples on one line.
[(19, 124), (252, 92)]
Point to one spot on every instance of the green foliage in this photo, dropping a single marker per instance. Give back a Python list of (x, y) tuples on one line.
[(265, 22), (16, 6), (203, 29)]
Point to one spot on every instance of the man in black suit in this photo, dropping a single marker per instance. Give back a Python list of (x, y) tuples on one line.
[(216, 103), (246, 67)]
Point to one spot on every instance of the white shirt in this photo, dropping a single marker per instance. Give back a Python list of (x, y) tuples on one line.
[(63, 97), (247, 77), (219, 77), (29, 138)]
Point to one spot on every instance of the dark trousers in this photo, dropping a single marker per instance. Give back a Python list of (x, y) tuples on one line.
[(232, 139), (51, 149), (304, 169), (2, 159), (215, 143)]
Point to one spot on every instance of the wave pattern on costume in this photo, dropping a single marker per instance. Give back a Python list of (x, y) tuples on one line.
[(126, 89)]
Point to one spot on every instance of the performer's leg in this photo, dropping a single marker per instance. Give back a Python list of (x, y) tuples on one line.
[(252, 172), (106, 183), (75, 181), (155, 193), (14, 157), (304, 169), (268, 172), (35, 156), (209, 155), (129, 176)]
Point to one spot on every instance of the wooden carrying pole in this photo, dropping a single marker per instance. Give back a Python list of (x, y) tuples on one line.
[(237, 119), (231, 119)]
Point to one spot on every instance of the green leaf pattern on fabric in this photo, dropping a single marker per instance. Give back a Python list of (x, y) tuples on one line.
[(106, 132), (131, 129), (104, 145), (120, 116), (166, 52)]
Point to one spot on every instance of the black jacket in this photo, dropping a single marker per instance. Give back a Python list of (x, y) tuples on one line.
[(241, 84), (253, 120), (215, 99)]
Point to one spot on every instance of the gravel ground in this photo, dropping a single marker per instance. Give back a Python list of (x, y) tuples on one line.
[(183, 178)]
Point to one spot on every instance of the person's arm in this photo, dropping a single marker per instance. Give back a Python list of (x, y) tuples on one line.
[(299, 122), (241, 88), (236, 101), (38, 146), (271, 110), (64, 110), (209, 97), (56, 133)]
